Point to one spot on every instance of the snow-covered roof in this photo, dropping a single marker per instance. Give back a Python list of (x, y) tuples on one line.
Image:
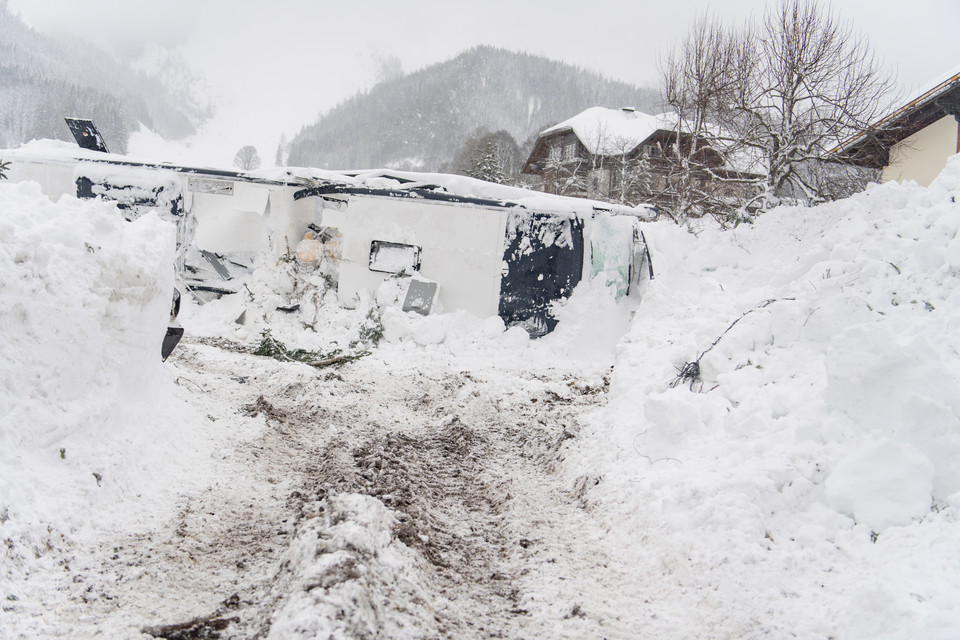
[(928, 92), (939, 82), (614, 131)]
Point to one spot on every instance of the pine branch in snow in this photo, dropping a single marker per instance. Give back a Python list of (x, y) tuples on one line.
[(273, 348)]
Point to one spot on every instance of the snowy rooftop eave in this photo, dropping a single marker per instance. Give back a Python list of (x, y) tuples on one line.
[(935, 99)]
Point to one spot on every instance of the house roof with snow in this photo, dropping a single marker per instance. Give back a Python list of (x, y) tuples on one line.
[(938, 98), (612, 132), (621, 132), (601, 132)]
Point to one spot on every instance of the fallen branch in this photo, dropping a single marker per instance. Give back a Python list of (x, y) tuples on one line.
[(690, 372), (273, 348), (202, 627)]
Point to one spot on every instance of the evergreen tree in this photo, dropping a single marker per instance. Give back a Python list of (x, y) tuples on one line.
[(488, 165), (283, 147), (508, 157)]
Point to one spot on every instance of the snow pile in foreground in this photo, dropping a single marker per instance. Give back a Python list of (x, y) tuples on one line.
[(346, 552), (88, 430), (807, 482)]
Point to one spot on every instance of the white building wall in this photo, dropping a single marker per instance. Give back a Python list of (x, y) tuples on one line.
[(462, 247), (922, 156)]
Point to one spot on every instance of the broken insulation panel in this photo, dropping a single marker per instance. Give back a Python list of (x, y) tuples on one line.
[(393, 257)]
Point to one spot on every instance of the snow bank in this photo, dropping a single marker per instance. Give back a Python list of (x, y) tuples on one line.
[(86, 407), (808, 481), (346, 575)]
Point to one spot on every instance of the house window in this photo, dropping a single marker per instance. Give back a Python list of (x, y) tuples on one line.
[(569, 150), (651, 150)]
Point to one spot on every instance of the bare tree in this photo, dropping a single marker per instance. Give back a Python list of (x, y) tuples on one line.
[(708, 164), (247, 158), (773, 98), (629, 172), (598, 182), (609, 169), (815, 83)]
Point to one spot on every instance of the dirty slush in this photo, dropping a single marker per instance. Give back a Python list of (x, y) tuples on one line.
[(388, 503)]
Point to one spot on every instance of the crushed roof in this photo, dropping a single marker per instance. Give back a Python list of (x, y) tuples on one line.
[(447, 187)]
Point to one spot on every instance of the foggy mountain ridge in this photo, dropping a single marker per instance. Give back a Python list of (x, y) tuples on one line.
[(43, 80), (191, 90), (419, 121)]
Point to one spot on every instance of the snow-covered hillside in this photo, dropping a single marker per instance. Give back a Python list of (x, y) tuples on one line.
[(805, 484)]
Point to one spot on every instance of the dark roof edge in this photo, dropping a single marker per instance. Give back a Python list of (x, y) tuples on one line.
[(201, 171), (890, 122), (415, 194)]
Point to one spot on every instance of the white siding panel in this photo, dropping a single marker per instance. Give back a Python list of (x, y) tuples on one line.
[(922, 156)]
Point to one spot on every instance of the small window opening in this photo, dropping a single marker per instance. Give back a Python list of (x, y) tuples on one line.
[(393, 257)]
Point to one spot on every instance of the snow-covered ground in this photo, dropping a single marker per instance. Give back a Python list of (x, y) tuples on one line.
[(463, 481), (807, 484)]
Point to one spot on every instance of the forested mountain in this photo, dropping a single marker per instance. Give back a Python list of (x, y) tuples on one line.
[(42, 80), (421, 120)]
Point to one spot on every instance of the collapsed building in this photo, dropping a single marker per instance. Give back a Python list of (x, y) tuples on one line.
[(455, 243)]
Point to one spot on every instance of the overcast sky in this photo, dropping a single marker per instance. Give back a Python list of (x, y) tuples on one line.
[(292, 59)]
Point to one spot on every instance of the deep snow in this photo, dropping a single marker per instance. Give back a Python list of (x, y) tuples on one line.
[(805, 485)]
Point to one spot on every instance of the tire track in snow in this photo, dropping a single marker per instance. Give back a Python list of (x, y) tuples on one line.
[(464, 464), (378, 502)]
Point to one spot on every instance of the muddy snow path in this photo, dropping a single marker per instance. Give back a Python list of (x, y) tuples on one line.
[(393, 497)]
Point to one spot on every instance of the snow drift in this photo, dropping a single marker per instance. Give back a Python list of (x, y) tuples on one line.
[(807, 481), (88, 422), (804, 484)]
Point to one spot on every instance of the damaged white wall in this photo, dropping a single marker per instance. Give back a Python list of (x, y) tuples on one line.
[(461, 247), (254, 219)]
